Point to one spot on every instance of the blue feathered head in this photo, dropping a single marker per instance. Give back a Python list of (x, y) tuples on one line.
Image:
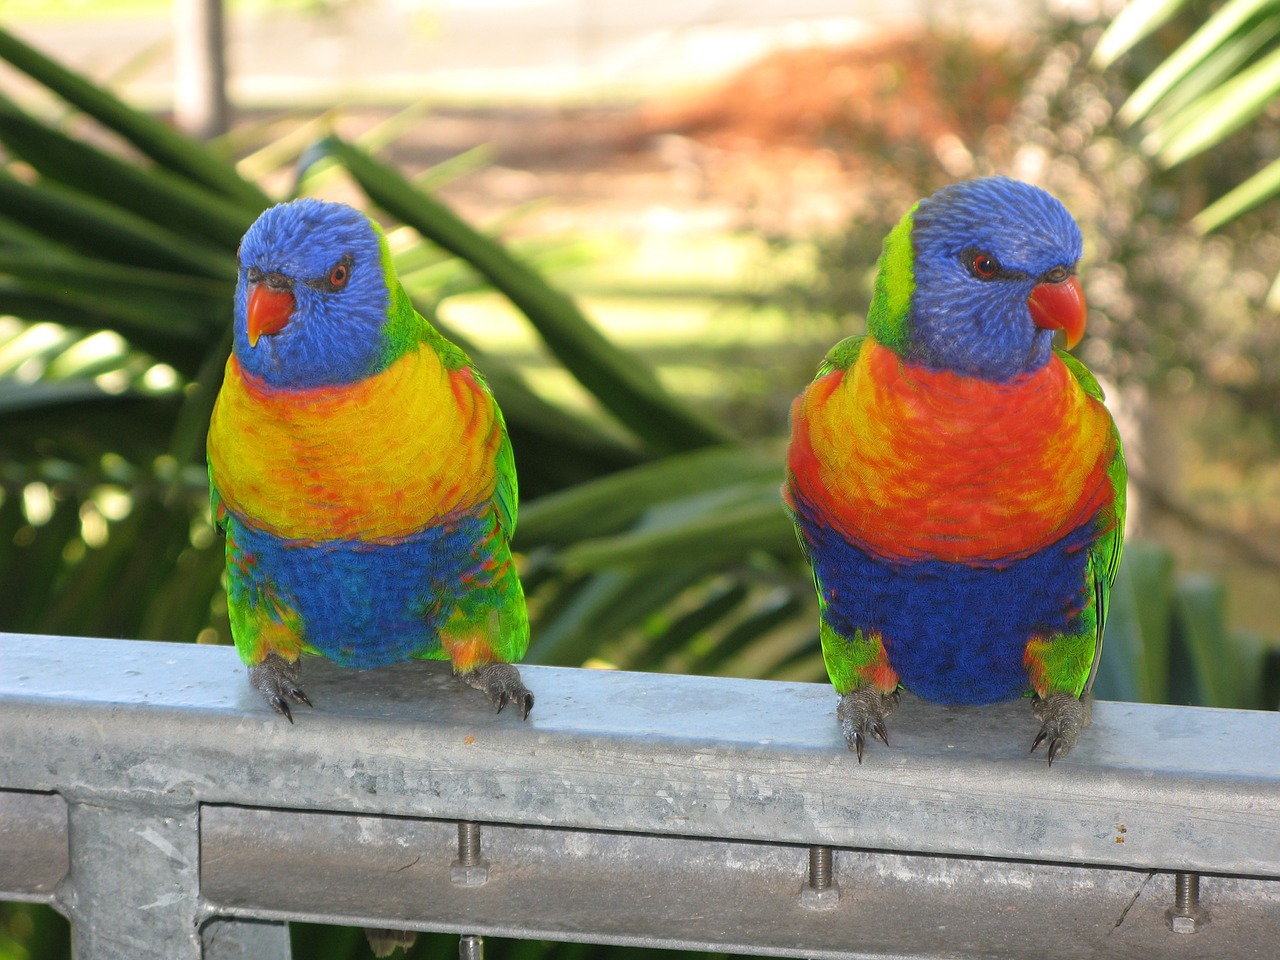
[(976, 279), (312, 298)]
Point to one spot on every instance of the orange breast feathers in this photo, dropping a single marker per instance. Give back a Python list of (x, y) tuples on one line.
[(379, 459), (916, 464)]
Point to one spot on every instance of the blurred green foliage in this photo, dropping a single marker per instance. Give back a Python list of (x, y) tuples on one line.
[(651, 538), (1218, 75)]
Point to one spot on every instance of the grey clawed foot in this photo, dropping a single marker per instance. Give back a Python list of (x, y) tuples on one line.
[(862, 711), (1061, 717), (502, 685), (277, 680)]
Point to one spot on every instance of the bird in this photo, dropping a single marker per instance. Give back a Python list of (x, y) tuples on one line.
[(359, 469), (956, 482)]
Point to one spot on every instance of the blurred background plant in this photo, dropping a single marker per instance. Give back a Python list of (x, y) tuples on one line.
[(647, 410)]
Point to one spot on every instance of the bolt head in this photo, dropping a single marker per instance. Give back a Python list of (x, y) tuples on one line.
[(469, 876), (825, 899), (1186, 922)]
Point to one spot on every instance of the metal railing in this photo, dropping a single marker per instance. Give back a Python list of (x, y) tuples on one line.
[(149, 794)]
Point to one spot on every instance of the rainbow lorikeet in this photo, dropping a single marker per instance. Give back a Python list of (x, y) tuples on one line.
[(956, 483), (360, 470)]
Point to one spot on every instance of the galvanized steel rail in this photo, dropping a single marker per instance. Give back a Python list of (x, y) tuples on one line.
[(148, 793)]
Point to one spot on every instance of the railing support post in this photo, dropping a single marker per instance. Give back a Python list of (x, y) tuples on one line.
[(133, 889), (226, 939), (133, 892)]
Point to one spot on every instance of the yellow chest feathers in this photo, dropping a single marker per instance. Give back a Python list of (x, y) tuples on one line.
[(379, 459)]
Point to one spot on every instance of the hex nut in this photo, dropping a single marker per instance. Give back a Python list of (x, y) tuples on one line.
[(825, 899), (472, 875), (1189, 921)]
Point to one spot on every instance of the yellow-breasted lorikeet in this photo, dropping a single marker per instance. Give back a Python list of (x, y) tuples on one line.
[(956, 482), (360, 470)]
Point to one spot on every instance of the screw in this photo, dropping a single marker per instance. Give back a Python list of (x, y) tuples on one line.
[(821, 891), (470, 947), (468, 843), (819, 868), (1186, 915), (469, 870)]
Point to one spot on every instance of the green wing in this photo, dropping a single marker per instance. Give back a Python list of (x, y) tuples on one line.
[(1104, 555), (506, 495)]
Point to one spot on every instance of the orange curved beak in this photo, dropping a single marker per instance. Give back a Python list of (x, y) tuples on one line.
[(1060, 306), (269, 311)]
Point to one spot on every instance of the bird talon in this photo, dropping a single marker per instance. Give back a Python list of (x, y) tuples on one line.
[(1062, 718), (862, 711), (502, 685), (879, 732), (856, 743), (1055, 746), (277, 679)]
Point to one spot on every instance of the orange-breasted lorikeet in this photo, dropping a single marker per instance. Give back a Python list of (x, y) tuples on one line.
[(956, 482)]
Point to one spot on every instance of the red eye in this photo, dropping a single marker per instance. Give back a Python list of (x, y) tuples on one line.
[(984, 266), (339, 274)]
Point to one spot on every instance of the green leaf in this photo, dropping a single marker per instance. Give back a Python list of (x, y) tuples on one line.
[(1136, 21), (721, 603), (187, 441), (1262, 186), (160, 312), (454, 168), (153, 138), (619, 380), (605, 607), (81, 311), (1226, 668), (611, 504), (1228, 20), (31, 571), (79, 421), (1218, 114), (779, 608), (25, 398), (1135, 650), (116, 280), (1218, 67), (95, 226), (717, 533), (134, 312), (35, 307), (154, 194)]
